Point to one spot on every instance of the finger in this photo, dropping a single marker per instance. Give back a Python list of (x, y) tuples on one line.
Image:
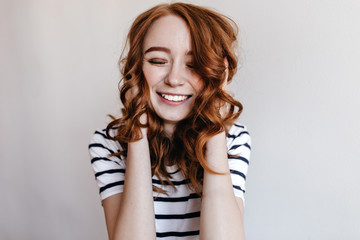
[(225, 85)]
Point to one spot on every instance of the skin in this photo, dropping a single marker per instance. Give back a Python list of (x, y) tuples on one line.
[(173, 87), (168, 70)]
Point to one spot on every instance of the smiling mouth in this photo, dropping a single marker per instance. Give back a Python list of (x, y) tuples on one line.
[(174, 98)]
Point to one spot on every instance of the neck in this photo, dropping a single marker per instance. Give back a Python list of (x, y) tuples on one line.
[(169, 129)]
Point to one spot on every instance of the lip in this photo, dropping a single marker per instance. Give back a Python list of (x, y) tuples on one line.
[(175, 103)]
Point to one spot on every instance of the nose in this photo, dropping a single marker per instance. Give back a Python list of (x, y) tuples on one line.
[(176, 76)]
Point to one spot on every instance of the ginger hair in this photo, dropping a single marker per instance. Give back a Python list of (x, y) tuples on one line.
[(213, 37)]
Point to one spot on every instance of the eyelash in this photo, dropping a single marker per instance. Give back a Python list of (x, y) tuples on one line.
[(162, 62), (156, 62)]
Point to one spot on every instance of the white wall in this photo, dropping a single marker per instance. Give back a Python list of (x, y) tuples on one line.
[(300, 86)]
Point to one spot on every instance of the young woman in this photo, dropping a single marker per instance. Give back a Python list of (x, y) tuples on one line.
[(174, 165)]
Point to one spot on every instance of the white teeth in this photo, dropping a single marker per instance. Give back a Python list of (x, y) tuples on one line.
[(174, 98)]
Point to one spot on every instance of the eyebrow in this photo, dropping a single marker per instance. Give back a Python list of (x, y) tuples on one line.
[(162, 49)]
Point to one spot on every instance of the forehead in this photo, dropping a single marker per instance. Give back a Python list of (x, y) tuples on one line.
[(169, 31)]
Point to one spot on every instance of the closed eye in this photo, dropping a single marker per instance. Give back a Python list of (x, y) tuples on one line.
[(157, 61), (190, 65)]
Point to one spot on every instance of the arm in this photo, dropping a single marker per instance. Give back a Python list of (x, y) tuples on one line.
[(221, 212), (130, 215)]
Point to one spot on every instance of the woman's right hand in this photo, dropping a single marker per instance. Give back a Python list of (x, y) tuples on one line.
[(130, 95), (124, 218)]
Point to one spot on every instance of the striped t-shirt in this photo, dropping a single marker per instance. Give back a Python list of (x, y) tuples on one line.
[(177, 214)]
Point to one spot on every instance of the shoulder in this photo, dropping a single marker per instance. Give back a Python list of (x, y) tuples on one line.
[(101, 142), (109, 168), (99, 136), (238, 137), (239, 151), (239, 133)]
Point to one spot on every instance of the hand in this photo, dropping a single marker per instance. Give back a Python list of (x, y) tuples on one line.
[(225, 88), (131, 95), (143, 119)]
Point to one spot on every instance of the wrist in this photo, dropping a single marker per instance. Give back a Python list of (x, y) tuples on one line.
[(140, 143), (144, 132), (216, 152), (216, 140)]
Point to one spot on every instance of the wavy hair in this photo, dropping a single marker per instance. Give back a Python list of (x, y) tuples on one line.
[(213, 37)]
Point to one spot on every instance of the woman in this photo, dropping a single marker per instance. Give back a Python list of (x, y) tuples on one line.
[(176, 150)]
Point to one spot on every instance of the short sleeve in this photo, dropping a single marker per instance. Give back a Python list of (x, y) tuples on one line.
[(239, 149), (109, 170)]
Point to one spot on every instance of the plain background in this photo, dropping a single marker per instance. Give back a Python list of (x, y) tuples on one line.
[(299, 84)]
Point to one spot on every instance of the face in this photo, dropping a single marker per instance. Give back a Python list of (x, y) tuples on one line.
[(168, 69)]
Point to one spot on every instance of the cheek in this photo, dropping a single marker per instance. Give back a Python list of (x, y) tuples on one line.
[(198, 84), (149, 75), (153, 75)]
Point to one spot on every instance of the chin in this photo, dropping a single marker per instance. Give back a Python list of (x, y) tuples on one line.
[(172, 118)]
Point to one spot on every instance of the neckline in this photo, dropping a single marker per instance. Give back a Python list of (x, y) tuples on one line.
[(172, 169)]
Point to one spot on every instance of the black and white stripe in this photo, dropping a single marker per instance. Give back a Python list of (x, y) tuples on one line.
[(177, 213)]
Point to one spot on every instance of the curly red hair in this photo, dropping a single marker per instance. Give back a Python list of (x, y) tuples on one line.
[(213, 39)]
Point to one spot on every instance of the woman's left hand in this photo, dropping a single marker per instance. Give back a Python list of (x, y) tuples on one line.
[(225, 88)]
